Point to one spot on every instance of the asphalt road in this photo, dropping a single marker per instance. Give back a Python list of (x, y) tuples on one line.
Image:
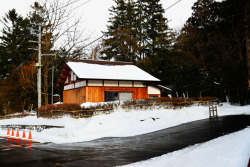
[(118, 151)]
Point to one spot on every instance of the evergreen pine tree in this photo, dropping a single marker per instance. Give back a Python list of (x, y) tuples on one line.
[(13, 42), (155, 26), (13, 51), (213, 39), (121, 43), (138, 32), (157, 41)]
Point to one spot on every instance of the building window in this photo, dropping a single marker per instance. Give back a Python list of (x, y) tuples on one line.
[(153, 97), (111, 96), (125, 95)]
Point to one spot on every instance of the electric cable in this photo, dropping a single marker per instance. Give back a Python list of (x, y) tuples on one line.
[(109, 32), (173, 5)]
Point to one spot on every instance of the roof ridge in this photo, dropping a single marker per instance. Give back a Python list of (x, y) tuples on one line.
[(101, 62)]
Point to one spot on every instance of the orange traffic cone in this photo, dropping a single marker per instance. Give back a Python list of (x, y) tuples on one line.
[(24, 135), (12, 133), (17, 133), (30, 138), (8, 132)]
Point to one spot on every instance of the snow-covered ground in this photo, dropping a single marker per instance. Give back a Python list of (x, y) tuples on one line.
[(231, 150), (117, 124)]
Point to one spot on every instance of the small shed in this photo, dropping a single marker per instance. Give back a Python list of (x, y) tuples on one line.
[(102, 81)]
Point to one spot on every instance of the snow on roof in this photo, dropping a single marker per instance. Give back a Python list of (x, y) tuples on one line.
[(110, 72), (164, 87)]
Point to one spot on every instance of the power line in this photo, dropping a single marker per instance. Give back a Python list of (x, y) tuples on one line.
[(173, 5), (68, 4), (24, 61), (109, 32), (94, 40), (79, 6), (101, 35), (21, 42)]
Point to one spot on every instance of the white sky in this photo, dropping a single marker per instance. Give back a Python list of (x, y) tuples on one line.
[(95, 13)]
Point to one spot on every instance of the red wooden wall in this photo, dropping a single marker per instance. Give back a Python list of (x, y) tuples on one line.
[(75, 96), (96, 94)]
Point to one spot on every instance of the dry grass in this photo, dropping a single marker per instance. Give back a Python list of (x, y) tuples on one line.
[(15, 116)]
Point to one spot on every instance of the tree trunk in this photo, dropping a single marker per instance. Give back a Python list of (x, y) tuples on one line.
[(247, 12), (46, 87), (23, 105)]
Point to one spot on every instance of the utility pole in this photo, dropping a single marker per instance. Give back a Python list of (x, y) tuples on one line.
[(38, 64), (39, 82)]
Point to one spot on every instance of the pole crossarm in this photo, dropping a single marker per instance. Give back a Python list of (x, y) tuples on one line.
[(33, 49), (49, 55), (34, 41)]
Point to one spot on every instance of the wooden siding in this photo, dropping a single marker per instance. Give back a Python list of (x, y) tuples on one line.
[(77, 96), (96, 94)]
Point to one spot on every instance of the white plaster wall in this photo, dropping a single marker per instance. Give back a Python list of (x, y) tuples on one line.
[(94, 82), (139, 84), (111, 83), (80, 84), (153, 90), (125, 83)]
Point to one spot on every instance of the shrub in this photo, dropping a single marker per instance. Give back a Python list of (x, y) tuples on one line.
[(76, 110), (59, 107)]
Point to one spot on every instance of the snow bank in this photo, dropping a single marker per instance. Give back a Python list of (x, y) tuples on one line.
[(227, 151), (90, 104), (117, 124)]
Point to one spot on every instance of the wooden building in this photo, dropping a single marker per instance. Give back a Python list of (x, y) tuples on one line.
[(101, 81)]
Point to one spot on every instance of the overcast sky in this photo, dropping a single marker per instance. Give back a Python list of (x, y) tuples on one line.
[(95, 13)]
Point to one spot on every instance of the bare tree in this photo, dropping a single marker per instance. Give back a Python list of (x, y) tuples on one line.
[(61, 36)]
